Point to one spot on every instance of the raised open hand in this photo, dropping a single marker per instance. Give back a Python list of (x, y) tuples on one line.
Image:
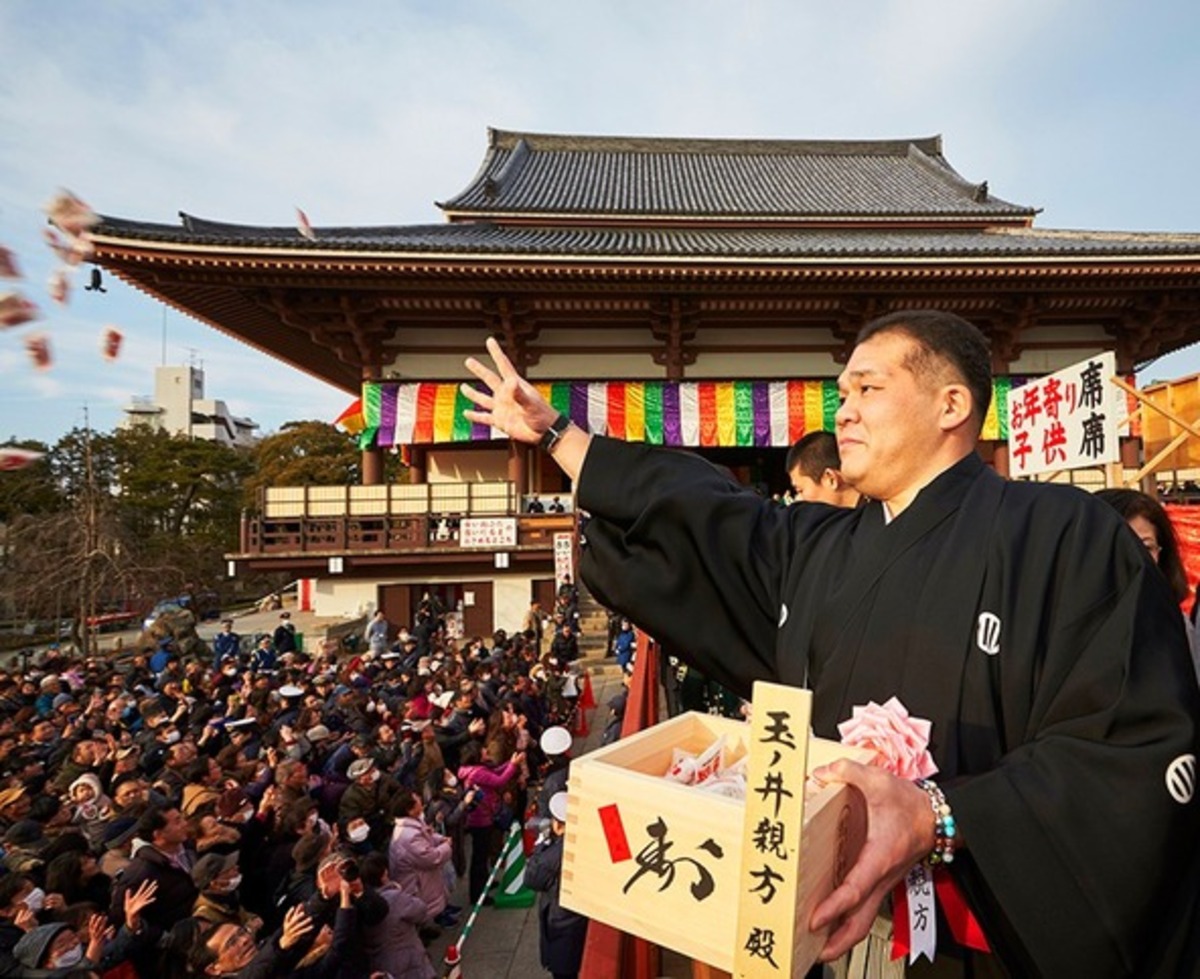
[(514, 405), (136, 901), (296, 924)]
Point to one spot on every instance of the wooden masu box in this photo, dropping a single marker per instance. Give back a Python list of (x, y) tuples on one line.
[(668, 862)]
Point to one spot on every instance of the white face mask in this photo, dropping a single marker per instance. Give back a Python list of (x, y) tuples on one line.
[(452, 780), (35, 900), (358, 834), (72, 956), (173, 737), (232, 884), (245, 815)]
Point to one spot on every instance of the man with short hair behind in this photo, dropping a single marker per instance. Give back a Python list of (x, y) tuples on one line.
[(815, 469), (1022, 620), (165, 859)]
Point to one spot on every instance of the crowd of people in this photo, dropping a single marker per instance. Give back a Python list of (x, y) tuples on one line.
[(260, 812)]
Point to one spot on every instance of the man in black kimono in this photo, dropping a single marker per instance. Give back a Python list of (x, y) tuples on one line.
[(1022, 619)]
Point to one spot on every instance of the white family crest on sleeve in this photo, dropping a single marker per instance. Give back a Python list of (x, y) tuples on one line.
[(1181, 779), (987, 633)]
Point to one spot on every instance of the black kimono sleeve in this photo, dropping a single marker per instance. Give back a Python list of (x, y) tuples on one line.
[(690, 556), (1078, 837)]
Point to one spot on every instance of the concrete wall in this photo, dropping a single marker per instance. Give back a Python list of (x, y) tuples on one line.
[(340, 598), (449, 465)]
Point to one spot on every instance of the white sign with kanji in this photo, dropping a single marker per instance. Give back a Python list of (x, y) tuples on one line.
[(564, 557), (1066, 420), (487, 532)]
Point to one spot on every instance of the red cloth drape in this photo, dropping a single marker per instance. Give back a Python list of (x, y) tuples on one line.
[(609, 953), (1186, 520)]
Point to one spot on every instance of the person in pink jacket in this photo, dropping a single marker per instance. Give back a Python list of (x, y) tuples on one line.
[(487, 813), (417, 855)]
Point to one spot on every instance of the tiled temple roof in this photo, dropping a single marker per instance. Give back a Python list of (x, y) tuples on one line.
[(488, 239), (724, 179)]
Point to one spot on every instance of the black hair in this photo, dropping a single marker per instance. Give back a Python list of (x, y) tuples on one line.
[(151, 821), (64, 874), (404, 801), (10, 886), (44, 808), (814, 453), (942, 339), (1130, 503), (373, 868)]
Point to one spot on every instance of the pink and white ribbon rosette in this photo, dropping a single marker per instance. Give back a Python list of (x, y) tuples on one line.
[(900, 741)]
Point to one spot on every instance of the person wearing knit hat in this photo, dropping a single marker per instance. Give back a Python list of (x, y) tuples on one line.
[(218, 879), (118, 841), (34, 950), (24, 832), (212, 866)]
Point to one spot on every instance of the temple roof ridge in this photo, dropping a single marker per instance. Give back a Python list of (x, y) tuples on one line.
[(503, 139), (572, 178)]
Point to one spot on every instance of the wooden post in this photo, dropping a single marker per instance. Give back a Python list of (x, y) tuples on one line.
[(419, 460), (516, 470), (372, 466)]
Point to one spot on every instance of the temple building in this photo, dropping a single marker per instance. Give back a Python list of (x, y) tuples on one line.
[(688, 292)]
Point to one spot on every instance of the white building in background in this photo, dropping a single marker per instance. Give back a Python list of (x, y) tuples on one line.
[(180, 408)]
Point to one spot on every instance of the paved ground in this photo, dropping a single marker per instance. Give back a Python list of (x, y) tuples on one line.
[(503, 943)]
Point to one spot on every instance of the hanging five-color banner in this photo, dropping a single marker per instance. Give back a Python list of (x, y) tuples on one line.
[(682, 413)]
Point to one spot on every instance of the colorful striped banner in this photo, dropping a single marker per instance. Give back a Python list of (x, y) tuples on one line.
[(715, 414)]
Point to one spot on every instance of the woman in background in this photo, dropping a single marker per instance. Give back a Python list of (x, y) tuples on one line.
[(1147, 518)]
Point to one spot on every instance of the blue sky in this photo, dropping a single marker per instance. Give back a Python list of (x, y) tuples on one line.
[(369, 112)]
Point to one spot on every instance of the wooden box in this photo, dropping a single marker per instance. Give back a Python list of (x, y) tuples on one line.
[(663, 861)]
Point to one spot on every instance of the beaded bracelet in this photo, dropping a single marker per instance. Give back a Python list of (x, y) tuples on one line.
[(944, 828)]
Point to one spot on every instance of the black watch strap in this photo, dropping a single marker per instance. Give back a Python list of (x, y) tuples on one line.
[(551, 436)]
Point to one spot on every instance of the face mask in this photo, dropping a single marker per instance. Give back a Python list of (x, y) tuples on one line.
[(73, 956), (245, 815), (452, 780), (233, 883), (35, 900), (358, 834), (173, 737), (376, 776)]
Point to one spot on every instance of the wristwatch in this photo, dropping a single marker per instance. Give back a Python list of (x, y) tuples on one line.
[(556, 430)]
